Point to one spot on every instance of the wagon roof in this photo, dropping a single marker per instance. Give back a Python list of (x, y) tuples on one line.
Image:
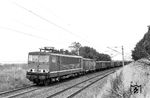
[(48, 53), (103, 61)]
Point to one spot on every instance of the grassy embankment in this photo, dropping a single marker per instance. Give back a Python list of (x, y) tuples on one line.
[(13, 76), (118, 84)]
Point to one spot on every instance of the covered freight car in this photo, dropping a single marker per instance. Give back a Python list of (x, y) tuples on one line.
[(103, 65), (88, 65), (45, 67)]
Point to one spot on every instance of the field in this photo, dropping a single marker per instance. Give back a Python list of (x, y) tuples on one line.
[(13, 76)]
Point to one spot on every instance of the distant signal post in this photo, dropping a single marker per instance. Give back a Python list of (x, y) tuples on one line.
[(122, 56)]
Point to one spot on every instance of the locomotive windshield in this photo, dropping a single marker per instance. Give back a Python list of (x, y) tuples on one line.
[(38, 58)]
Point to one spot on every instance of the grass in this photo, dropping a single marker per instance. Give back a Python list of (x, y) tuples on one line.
[(13, 76), (114, 87), (117, 88)]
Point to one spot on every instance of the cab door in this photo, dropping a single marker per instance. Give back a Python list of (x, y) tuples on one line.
[(54, 66)]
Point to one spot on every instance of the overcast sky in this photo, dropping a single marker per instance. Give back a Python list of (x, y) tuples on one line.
[(27, 25)]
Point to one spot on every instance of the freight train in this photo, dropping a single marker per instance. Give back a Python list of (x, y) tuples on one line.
[(45, 67)]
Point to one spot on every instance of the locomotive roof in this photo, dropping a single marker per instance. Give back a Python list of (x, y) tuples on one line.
[(87, 59), (48, 53)]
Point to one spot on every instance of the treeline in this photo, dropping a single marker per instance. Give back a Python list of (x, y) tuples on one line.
[(84, 51), (88, 52), (142, 48)]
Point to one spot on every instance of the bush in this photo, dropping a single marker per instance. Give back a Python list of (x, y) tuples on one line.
[(114, 88)]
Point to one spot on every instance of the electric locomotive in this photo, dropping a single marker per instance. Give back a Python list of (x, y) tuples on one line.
[(45, 67)]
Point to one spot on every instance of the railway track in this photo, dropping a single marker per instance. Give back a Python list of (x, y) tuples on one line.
[(80, 90), (17, 92), (26, 90), (78, 87)]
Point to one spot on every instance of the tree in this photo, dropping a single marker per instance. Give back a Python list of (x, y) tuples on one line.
[(103, 57), (87, 52), (142, 48), (75, 46)]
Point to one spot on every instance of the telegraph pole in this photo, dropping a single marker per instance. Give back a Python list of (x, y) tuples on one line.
[(122, 56)]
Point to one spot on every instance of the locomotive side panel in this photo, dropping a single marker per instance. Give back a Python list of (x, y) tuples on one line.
[(69, 65)]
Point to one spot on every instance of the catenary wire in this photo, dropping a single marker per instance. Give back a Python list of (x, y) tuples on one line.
[(43, 18), (27, 34)]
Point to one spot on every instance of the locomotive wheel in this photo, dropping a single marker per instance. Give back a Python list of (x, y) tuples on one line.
[(37, 82)]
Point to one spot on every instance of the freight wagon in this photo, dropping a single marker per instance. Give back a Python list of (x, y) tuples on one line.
[(89, 65), (102, 65)]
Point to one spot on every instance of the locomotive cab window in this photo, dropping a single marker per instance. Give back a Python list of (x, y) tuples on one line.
[(39, 58), (33, 58)]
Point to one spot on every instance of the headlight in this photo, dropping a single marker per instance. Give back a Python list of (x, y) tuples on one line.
[(32, 70), (43, 70)]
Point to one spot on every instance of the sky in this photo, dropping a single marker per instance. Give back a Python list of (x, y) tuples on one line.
[(27, 25)]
